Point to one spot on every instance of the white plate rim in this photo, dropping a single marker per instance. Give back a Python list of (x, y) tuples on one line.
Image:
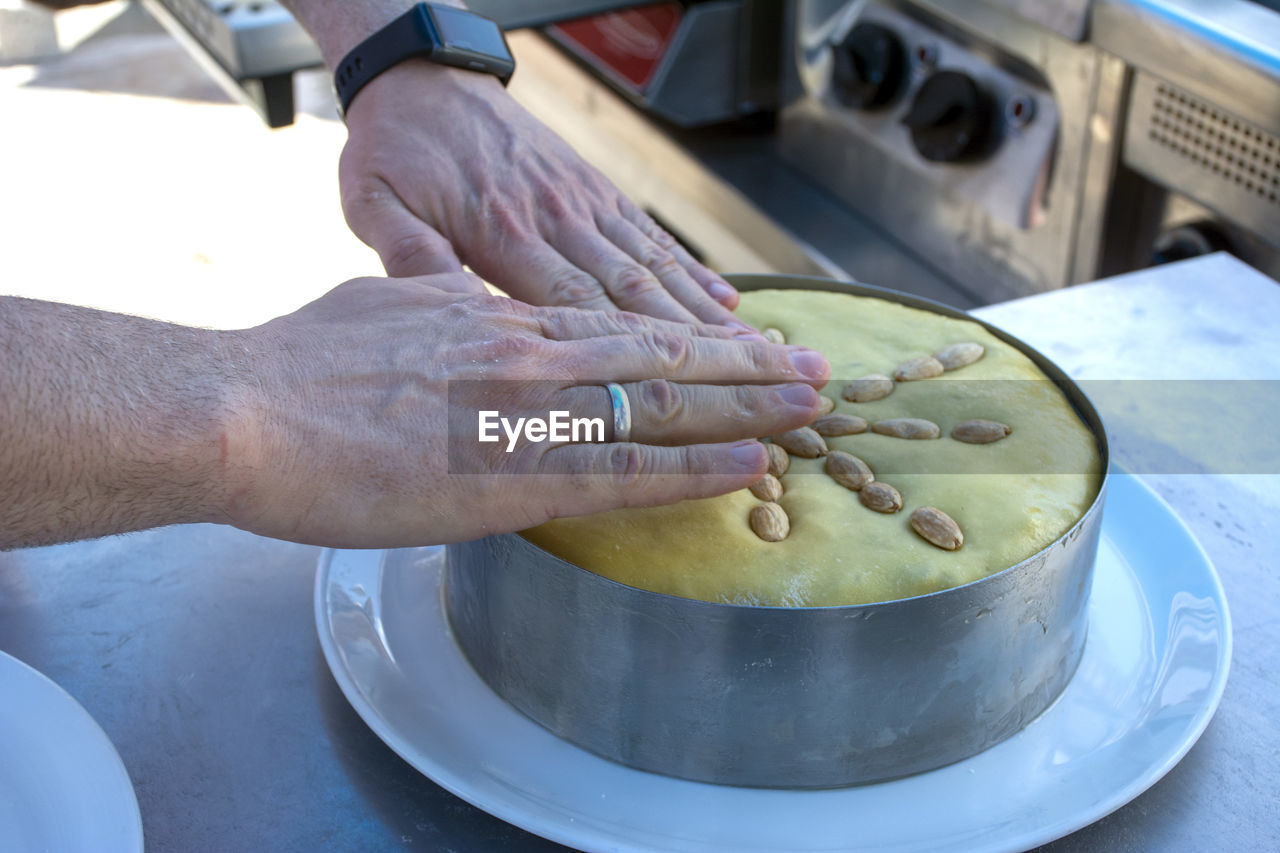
[(114, 783), (1123, 488)]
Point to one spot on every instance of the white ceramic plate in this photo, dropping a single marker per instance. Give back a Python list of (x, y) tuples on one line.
[(1153, 670), (62, 784)]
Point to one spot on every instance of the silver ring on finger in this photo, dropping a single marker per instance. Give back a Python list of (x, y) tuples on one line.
[(621, 411)]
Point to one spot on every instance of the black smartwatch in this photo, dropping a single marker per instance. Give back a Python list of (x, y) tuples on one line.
[(443, 34)]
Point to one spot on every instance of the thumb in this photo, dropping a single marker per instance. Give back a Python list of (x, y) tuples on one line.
[(407, 245)]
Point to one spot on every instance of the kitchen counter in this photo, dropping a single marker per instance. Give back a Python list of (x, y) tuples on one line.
[(195, 647), (1207, 319)]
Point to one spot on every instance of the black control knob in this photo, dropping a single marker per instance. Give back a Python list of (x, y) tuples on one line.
[(869, 66), (1189, 240), (950, 118)]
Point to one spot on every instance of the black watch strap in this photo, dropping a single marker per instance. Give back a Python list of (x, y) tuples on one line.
[(443, 34)]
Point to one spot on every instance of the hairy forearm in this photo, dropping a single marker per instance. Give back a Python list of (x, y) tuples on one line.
[(108, 423), (339, 25)]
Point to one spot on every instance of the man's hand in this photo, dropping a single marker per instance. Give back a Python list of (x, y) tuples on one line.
[(443, 168), (353, 421), (370, 399)]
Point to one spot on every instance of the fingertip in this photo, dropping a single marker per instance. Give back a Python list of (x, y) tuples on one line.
[(711, 313), (811, 364), (800, 396), (751, 337), (724, 293), (749, 456)]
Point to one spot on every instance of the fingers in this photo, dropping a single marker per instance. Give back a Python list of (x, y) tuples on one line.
[(671, 413), (715, 286), (640, 273), (560, 325), (558, 281), (630, 285), (608, 476), (664, 258), (602, 260), (407, 245), (659, 353)]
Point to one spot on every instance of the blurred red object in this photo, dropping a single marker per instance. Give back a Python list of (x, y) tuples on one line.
[(628, 44)]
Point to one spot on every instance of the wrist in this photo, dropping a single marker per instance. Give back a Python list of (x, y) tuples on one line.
[(237, 432), (427, 86), (440, 34)]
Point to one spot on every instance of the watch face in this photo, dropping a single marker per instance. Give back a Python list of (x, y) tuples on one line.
[(462, 30)]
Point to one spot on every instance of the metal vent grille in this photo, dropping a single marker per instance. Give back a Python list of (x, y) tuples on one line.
[(1233, 150)]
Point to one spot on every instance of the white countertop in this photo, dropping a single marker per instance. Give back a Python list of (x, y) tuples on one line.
[(1195, 323)]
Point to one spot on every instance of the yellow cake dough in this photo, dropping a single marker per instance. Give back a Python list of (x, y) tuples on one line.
[(839, 552)]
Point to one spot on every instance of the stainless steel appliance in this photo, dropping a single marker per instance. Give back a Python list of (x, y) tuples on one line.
[(730, 47), (964, 150), (1020, 146), (251, 47), (1202, 127), (977, 136)]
